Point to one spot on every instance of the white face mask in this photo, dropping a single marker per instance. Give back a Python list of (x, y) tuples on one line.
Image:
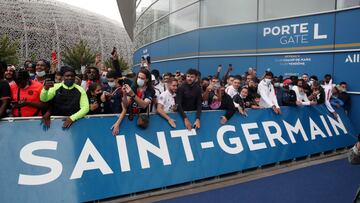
[(41, 73), (32, 74), (140, 82), (276, 84), (111, 84), (267, 81)]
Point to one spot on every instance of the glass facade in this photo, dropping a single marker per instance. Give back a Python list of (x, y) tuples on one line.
[(228, 12), (269, 9), (347, 3), (157, 19), (184, 20)]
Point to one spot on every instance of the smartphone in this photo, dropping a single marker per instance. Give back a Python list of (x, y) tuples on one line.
[(53, 56), (50, 77)]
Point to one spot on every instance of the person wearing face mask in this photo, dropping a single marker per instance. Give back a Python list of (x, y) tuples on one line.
[(267, 93), (141, 94), (25, 96), (189, 98), (67, 99), (42, 70), (113, 92)]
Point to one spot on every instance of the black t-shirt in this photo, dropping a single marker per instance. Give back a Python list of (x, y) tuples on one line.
[(149, 94), (5, 93), (101, 105), (288, 97), (243, 102), (188, 98)]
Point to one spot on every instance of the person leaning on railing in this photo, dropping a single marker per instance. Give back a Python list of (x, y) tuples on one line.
[(67, 99), (25, 96)]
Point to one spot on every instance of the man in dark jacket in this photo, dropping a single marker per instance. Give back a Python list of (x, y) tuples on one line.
[(189, 98), (288, 96)]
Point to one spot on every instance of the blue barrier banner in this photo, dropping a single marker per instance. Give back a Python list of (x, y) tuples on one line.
[(87, 163)]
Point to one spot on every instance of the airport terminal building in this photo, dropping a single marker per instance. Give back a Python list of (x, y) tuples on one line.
[(289, 37)]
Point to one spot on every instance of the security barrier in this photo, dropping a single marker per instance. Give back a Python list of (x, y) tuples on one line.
[(87, 163)]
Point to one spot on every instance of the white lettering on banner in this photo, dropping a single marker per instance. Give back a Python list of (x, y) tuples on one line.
[(315, 130), (335, 124), (296, 129), (273, 133), (355, 58), (328, 131), (294, 34), (27, 156), (83, 165), (123, 153), (234, 140), (184, 135), (250, 138), (273, 136), (144, 147)]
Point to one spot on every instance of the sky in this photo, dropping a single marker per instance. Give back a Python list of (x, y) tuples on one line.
[(107, 8)]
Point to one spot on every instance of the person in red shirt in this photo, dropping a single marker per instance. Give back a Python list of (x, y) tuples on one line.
[(25, 96)]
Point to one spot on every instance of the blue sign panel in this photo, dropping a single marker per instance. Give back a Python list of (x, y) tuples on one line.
[(287, 65), (347, 68), (348, 29), (87, 163), (228, 39), (297, 34)]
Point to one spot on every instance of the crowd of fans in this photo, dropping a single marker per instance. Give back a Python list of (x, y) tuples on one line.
[(37, 89)]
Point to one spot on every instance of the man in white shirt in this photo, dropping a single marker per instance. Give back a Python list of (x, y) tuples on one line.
[(328, 86), (233, 89), (166, 101), (267, 93)]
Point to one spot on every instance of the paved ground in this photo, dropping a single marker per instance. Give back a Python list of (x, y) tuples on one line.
[(334, 181)]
